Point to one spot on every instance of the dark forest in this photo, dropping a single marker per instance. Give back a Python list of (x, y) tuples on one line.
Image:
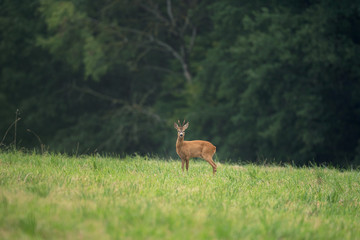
[(275, 81)]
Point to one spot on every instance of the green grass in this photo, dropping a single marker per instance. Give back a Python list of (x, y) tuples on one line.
[(59, 197)]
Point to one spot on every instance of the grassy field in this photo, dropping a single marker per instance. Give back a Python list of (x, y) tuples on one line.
[(59, 197)]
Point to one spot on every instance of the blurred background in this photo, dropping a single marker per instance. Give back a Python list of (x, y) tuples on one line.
[(275, 81)]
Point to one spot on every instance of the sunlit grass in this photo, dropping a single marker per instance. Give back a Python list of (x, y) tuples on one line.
[(59, 197)]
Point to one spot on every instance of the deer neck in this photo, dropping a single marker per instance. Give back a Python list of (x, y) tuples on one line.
[(179, 142)]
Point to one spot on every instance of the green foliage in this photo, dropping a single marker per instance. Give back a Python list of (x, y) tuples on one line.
[(93, 59), (275, 81), (56, 196), (289, 82), (67, 32)]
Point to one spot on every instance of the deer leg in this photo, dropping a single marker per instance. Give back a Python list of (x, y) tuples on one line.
[(214, 167), (187, 164), (212, 163), (182, 164)]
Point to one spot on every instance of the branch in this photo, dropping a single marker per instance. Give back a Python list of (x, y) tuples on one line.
[(192, 40), (134, 107), (181, 59), (155, 12), (42, 146), (145, 96), (169, 11), (98, 95), (162, 69), (168, 48), (2, 141), (183, 29), (180, 56)]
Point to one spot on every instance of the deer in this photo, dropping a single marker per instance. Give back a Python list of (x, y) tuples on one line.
[(191, 149)]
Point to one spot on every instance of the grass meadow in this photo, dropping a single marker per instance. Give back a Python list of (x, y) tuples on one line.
[(53, 196)]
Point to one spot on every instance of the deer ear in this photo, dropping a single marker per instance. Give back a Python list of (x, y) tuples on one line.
[(185, 126), (176, 126)]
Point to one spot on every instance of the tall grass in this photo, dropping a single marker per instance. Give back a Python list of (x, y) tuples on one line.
[(59, 197)]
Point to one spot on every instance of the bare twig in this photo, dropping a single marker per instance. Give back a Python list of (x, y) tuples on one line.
[(77, 149), (15, 127), (12, 124), (42, 146)]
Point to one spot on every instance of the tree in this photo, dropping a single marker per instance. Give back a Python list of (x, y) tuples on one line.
[(140, 46), (277, 90)]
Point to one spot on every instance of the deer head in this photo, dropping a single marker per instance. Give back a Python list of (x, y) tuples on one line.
[(181, 128)]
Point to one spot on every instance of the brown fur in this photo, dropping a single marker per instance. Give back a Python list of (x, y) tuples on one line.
[(191, 149)]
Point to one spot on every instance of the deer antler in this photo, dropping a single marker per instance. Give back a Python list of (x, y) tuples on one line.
[(181, 125)]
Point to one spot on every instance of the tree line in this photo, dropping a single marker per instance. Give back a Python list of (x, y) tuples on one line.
[(263, 80)]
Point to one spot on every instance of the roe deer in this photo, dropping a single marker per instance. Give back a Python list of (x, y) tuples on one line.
[(191, 149)]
